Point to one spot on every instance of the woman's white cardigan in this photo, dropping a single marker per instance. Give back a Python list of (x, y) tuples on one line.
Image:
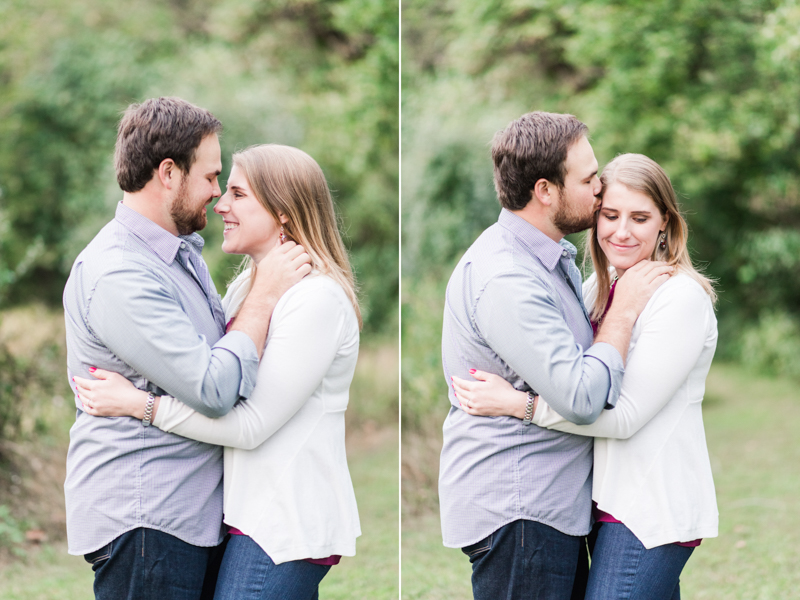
[(651, 465), (286, 480)]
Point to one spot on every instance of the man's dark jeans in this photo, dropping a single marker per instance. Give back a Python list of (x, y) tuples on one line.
[(146, 564), (529, 560)]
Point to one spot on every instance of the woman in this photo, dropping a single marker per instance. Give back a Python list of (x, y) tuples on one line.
[(653, 490), (288, 497)]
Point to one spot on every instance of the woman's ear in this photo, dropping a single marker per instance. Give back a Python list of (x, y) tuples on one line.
[(283, 218)]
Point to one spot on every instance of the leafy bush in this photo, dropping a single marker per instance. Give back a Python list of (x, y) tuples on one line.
[(12, 532), (69, 69), (772, 344), (705, 88)]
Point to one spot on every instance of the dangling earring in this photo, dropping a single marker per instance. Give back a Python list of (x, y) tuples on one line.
[(283, 235), (662, 243)]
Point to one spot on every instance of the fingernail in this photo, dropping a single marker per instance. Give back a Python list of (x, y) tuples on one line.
[(73, 380), (92, 369), (472, 371)]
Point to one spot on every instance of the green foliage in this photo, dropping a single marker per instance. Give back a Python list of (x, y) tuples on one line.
[(772, 344), (12, 532), (424, 390), (13, 377), (708, 89), (318, 75), (32, 382)]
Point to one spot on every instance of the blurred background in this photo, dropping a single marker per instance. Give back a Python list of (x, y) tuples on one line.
[(321, 75), (710, 89)]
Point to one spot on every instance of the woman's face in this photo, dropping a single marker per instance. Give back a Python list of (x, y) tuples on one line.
[(627, 226), (249, 228)]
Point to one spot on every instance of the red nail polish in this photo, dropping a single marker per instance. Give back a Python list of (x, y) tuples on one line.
[(472, 371), (92, 369)]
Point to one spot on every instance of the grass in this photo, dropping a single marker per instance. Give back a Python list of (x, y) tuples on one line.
[(752, 429), (32, 469), (50, 573), (374, 572)]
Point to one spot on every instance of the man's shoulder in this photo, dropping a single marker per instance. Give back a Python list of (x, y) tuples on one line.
[(114, 250), (497, 255)]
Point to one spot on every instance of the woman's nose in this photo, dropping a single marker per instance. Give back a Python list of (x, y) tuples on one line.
[(221, 206), (623, 232)]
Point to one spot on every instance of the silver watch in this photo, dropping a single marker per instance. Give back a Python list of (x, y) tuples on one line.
[(529, 408), (148, 409)]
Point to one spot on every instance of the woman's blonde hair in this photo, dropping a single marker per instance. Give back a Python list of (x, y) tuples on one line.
[(288, 181), (642, 174)]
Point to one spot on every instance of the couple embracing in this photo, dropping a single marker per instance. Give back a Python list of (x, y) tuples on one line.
[(166, 374), (576, 406)]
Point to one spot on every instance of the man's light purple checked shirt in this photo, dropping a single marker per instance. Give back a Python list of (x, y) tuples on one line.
[(139, 301), (514, 308)]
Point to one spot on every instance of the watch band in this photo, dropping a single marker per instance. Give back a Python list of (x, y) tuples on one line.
[(529, 408), (148, 409)]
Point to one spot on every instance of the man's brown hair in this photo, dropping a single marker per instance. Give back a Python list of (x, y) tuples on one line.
[(531, 148), (157, 129)]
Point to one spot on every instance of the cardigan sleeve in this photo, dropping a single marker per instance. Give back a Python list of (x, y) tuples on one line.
[(303, 343), (674, 330)]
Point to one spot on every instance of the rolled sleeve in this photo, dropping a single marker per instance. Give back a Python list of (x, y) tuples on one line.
[(242, 348), (135, 315), (612, 361)]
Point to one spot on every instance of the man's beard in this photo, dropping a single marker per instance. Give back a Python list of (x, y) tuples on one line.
[(187, 220), (567, 219)]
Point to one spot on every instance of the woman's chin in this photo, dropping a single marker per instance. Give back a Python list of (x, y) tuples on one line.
[(228, 248), (621, 266)]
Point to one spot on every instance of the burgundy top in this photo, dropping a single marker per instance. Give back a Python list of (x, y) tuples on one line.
[(599, 515)]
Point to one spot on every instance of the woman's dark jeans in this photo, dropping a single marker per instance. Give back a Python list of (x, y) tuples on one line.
[(622, 569), (248, 573)]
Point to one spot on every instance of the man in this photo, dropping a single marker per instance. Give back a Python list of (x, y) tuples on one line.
[(144, 506), (517, 499)]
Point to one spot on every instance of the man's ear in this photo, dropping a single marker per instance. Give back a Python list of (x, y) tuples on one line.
[(169, 174), (544, 191)]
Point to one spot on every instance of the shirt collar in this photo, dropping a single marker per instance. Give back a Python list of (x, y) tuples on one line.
[(541, 246), (163, 244)]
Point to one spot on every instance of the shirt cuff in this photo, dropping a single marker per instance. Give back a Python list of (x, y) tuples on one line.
[(612, 360), (242, 347)]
